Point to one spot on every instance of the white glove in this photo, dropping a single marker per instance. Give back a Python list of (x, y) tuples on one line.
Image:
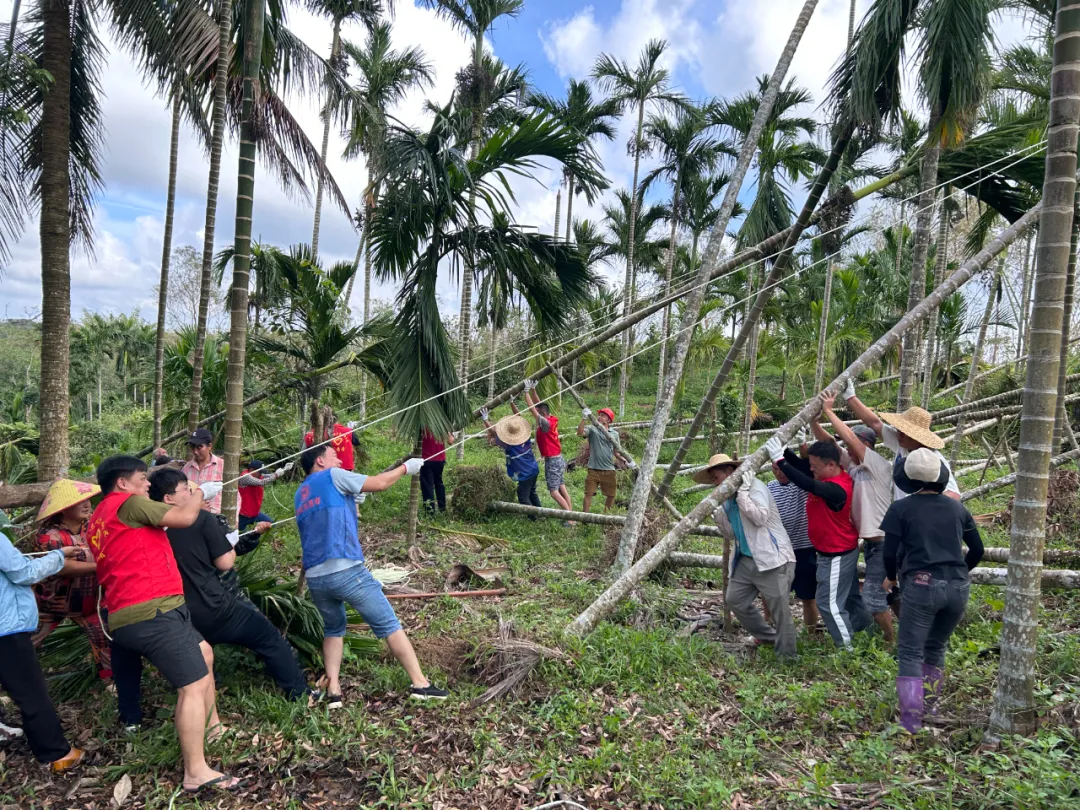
[(233, 537), (361, 497), (352, 425), (413, 465), (775, 448), (451, 436), (585, 413), (484, 414), (802, 435), (211, 489), (530, 385), (849, 391), (631, 464), (746, 483), (289, 466)]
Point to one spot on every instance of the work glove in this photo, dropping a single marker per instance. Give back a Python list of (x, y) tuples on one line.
[(233, 537), (413, 465), (631, 464), (352, 425), (746, 483), (211, 489), (484, 414), (849, 391), (530, 385), (775, 448), (361, 497), (802, 435), (289, 466), (586, 413)]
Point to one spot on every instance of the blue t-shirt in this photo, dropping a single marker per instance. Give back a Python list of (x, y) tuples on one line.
[(520, 462)]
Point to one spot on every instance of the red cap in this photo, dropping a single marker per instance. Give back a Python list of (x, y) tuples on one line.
[(610, 414)]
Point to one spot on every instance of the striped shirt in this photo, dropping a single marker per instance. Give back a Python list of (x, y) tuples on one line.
[(791, 503)]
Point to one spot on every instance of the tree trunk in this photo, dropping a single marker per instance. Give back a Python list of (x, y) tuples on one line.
[(163, 283), (941, 260), (766, 291), (491, 361), (628, 288), (1060, 418), (335, 54), (569, 209), (751, 372), (414, 499), (1014, 702), (1025, 302), (924, 204), (55, 235), (245, 198), (976, 354), (665, 329), (367, 299), (558, 209), (696, 292), (216, 143), (618, 590), (823, 326)]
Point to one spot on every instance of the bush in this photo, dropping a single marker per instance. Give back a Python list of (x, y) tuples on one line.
[(475, 488)]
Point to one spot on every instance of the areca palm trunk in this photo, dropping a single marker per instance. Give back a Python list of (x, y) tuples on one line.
[(569, 208), (643, 488), (55, 235), (1014, 704), (216, 143), (1025, 301), (628, 289), (558, 209), (1066, 318), (245, 198), (940, 263), (414, 498), (163, 283), (928, 173), (823, 325), (335, 54), (665, 329)]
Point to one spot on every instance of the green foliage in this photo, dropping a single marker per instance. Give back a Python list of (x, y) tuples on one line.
[(475, 488)]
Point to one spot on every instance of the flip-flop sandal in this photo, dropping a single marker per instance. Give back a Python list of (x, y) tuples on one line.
[(216, 784)]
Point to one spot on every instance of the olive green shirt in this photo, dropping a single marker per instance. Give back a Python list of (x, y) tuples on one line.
[(139, 512)]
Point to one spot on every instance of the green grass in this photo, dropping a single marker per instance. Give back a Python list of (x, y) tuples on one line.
[(635, 716)]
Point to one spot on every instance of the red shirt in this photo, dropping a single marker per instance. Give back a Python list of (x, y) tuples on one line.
[(431, 449), (133, 565), (341, 442), (832, 532), (547, 441), (251, 501)]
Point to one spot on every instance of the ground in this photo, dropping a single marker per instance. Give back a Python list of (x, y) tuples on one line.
[(635, 715)]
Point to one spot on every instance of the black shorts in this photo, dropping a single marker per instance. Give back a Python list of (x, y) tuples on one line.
[(170, 642), (804, 584)]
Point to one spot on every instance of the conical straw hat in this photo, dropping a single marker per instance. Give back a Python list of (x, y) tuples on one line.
[(513, 430), (66, 493), (915, 422)]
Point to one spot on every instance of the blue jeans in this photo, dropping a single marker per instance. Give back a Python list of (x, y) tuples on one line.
[(262, 517), (357, 587), (932, 610)]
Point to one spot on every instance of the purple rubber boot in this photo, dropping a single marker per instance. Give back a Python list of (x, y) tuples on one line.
[(909, 691), (933, 678)]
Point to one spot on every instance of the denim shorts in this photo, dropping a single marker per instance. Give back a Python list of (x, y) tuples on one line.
[(554, 472), (358, 588)]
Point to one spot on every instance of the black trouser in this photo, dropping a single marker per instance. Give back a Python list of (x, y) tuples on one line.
[(431, 484), (526, 493), (127, 675), (21, 677)]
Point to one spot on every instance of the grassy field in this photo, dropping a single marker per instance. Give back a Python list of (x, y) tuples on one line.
[(635, 715)]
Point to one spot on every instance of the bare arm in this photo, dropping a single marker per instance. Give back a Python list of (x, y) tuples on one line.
[(513, 406), (865, 415), (225, 561), (581, 428), (819, 432), (180, 517), (856, 449), (532, 405), (77, 568), (377, 483)]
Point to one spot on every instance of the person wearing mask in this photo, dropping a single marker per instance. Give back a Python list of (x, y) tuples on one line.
[(252, 491), (433, 451), (73, 593), (762, 560), (333, 563), (550, 446), (833, 535), (161, 458), (20, 673), (924, 539), (343, 438), (204, 467), (144, 594), (602, 453), (513, 435), (791, 506), (873, 494)]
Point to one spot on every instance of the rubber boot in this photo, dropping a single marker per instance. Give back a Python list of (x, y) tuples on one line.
[(909, 691), (933, 678)]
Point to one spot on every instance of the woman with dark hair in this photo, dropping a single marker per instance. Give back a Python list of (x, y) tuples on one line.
[(927, 533)]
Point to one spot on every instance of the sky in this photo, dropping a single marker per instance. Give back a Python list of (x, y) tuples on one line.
[(715, 49)]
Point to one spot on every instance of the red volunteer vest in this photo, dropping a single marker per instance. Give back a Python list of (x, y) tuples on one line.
[(549, 443), (251, 501), (133, 565), (341, 442), (832, 532)]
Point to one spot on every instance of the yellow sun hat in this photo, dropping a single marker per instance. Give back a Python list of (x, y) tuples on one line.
[(64, 494)]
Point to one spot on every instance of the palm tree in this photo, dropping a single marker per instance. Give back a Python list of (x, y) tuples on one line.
[(339, 12), (163, 283), (624, 220), (474, 18), (426, 217), (646, 84)]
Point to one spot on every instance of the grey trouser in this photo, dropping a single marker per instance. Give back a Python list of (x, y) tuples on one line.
[(838, 598), (774, 586), (873, 595)]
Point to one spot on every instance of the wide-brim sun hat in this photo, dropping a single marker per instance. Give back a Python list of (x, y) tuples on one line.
[(513, 430), (64, 494), (919, 468), (915, 422), (719, 460)]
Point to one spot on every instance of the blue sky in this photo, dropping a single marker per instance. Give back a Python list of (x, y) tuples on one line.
[(715, 48)]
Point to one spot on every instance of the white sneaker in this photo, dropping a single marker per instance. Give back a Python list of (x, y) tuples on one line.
[(9, 733)]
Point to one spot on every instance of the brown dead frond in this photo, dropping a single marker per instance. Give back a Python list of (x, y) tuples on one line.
[(509, 661)]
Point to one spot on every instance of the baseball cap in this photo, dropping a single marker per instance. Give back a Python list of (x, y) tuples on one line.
[(255, 464), (867, 434), (200, 436), (919, 468)]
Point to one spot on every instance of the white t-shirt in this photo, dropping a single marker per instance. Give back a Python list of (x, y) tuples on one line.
[(873, 493), (890, 436)]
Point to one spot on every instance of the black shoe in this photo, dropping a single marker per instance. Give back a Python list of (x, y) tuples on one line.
[(429, 692)]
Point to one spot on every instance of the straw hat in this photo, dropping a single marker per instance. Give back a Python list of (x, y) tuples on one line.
[(915, 422), (719, 460), (64, 494), (513, 430)]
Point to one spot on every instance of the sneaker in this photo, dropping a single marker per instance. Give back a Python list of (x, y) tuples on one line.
[(429, 692), (132, 728), (8, 733)]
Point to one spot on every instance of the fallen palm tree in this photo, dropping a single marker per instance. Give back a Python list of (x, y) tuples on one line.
[(987, 402), (1010, 479), (508, 508)]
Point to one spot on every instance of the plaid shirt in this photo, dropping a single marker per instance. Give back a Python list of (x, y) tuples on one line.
[(66, 596), (211, 472)]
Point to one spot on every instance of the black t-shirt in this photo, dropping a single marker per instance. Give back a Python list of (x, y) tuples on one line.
[(928, 531), (195, 549)]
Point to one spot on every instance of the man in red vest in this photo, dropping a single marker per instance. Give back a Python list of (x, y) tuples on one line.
[(833, 535), (342, 438), (144, 595), (549, 444), (251, 492)]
